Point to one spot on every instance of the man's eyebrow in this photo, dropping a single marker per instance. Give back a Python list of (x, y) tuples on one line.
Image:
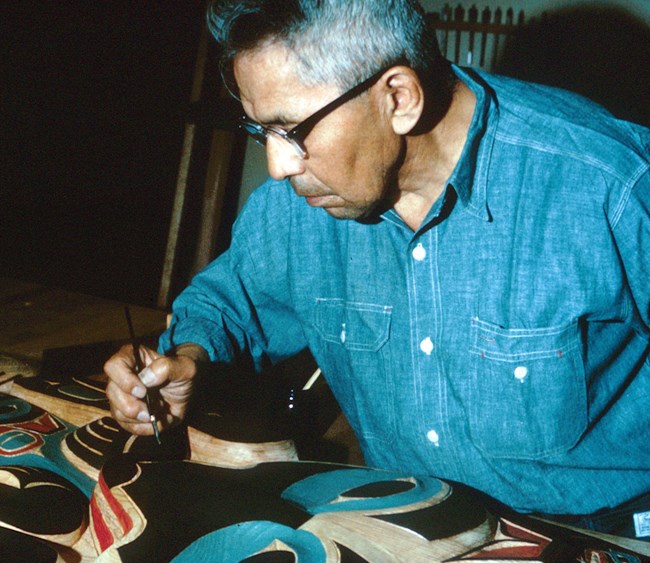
[(279, 121)]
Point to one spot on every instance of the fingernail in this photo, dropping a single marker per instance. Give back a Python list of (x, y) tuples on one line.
[(143, 416), (139, 392), (146, 376)]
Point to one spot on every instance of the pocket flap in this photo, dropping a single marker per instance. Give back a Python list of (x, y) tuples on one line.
[(511, 345), (356, 326)]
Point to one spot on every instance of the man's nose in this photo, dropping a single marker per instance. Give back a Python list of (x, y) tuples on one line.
[(282, 159)]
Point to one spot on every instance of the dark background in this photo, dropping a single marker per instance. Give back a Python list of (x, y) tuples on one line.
[(94, 97), (601, 52)]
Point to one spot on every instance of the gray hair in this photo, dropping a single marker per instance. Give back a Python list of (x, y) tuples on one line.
[(334, 41)]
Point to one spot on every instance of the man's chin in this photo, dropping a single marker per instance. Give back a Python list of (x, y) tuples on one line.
[(345, 212), (362, 215)]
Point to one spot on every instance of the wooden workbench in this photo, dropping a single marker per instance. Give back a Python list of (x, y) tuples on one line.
[(34, 318)]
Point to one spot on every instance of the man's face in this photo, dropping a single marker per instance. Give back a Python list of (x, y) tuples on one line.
[(352, 152)]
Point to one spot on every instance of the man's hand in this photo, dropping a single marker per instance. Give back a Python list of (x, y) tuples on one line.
[(172, 377)]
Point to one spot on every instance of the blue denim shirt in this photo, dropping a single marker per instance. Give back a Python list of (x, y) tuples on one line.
[(505, 344)]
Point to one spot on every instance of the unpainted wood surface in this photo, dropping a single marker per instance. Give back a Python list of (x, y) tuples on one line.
[(35, 318)]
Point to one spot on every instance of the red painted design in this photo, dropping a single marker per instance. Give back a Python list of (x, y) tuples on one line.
[(43, 424), (122, 516), (100, 528), (514, 542), (32, 430)]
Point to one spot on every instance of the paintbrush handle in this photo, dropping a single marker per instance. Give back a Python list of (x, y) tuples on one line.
[(139, 367)]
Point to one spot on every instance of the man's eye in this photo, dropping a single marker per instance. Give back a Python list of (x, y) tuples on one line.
[(281, 130)]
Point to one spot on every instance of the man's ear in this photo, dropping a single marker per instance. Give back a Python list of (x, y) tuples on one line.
[(404, 98)]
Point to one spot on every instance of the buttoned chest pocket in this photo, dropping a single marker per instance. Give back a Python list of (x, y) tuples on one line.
[(352, 348), (528, 398), (355, 326)]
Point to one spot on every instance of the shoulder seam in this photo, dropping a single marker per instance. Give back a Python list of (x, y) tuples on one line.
[(627, 191)]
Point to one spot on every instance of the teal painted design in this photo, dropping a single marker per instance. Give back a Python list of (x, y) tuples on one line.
[(239, 541), (81, 392), (14, 442), (323, 492), (11, 408)]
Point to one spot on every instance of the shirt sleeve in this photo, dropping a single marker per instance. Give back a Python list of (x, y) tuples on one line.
[(241, 301)]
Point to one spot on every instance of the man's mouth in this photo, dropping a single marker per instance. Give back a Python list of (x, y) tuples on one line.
[(312, 197), (317, 200)]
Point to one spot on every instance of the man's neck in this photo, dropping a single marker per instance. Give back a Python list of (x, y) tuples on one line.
[(431, 158)]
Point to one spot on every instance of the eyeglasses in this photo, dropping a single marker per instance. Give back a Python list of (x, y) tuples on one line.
[(296, 136)]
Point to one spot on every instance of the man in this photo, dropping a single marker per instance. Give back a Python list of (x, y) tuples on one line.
[(465, 255)]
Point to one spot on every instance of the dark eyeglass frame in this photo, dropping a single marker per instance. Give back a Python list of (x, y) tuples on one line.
[(296, 135)]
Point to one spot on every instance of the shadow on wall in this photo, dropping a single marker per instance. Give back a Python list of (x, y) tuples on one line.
[(602, 53)]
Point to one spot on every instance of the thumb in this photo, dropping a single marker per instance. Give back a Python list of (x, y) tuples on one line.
[(166, 369), (158, 371)]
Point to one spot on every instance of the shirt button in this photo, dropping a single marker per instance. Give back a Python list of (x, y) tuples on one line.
[(426, 346), (433, 437), (419, 253), (521, 372)]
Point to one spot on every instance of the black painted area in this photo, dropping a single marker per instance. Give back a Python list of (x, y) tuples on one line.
[(103, 439), (205, 499), (53, 389), (348, 556), (16, 547), (238, 404), (271, 557), (29, 507), (379, 489), (33, 413)]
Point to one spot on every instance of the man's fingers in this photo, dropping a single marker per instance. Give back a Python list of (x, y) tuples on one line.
[(165, 381), (130, 414), (124, 406), (120, 368)]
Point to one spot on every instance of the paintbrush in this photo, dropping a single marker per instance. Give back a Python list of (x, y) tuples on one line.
[(139, 367)]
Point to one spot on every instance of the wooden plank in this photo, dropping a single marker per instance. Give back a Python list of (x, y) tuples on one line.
[(177, 215), (214, 191), (189, 136), (35, 318)]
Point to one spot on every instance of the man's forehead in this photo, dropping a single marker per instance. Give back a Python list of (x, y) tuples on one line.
[(266, 67), (271, 88)]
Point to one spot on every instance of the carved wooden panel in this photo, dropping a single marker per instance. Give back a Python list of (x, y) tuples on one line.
[(310, 512), (312, 508), (30, 436)]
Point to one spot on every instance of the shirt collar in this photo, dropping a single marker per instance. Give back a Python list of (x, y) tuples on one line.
[(469, 178)]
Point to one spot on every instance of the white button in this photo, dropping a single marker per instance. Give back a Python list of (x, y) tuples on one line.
[(426, 346), (419, 253), (433, 437), (521, 372)]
